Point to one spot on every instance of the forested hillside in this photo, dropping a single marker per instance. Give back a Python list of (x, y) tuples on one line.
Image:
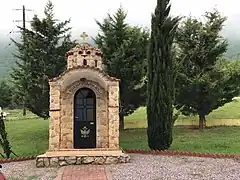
[(6, 56)]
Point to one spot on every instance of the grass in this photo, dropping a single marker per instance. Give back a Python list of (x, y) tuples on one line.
[(29, 135), (229, 111), (212, 140)]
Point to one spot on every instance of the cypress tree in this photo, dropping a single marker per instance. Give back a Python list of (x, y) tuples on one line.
[(161, 77), (4, 142)]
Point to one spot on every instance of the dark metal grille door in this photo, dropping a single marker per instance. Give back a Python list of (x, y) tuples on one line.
[(84, 119)]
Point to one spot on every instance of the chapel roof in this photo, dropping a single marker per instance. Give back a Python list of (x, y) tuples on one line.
[(85, 67), (84, 48), (84, 56)]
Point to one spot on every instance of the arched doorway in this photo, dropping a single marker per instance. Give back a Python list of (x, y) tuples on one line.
[(84, 119)]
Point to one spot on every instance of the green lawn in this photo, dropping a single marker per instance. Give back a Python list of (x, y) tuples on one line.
[(212, 140), (29, 135), (230, 111)]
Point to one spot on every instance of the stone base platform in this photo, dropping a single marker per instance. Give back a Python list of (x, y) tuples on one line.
[(66, 157)]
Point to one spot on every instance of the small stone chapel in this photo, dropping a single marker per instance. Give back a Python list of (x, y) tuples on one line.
[(84, 107)]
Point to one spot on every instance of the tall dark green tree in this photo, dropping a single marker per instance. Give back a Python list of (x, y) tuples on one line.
[(124, 50), (4, 142), (41, 55), (161, 77), (204, 84)]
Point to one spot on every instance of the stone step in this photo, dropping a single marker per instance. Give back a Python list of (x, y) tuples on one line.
[(82, 153), (64, 158)]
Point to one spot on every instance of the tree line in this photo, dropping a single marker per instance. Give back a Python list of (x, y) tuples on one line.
[(179, 65)]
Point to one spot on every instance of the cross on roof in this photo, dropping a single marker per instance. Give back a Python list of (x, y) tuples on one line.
[(84, 36)]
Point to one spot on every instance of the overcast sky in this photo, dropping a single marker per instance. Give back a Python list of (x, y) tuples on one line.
[(82, 13)]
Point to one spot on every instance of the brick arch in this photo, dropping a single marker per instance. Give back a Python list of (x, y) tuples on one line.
[(76, 74), (74, 87)]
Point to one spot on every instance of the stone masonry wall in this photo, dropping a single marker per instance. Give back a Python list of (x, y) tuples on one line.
[(113, 116), (62, 107), (66, 125), (78, 160), (91, 55), (54, 123)]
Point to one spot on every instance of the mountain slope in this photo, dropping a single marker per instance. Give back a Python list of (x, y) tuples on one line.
[(7, 60)]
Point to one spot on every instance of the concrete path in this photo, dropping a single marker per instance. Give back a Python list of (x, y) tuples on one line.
[(89, 172)]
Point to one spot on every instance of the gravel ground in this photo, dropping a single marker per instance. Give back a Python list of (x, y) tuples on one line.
[(152, 167), (143, 167), (26, 170)]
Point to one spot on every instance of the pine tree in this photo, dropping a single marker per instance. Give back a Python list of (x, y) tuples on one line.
[(41, 55), (124, 56), (204, 83), (161, 77)]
